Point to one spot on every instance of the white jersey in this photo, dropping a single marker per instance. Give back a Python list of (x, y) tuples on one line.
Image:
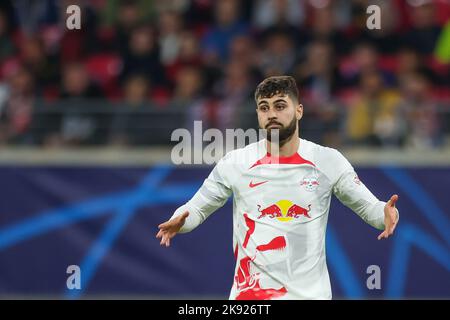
[(280, 213)]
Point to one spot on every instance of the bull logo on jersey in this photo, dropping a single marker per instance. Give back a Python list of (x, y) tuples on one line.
[(310, 183), (284, 210)]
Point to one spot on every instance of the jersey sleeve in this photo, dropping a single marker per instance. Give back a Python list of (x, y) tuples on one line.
[(355, 195), (212, 195)]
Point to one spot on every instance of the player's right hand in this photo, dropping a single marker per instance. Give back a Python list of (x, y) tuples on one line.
[(170, 228)]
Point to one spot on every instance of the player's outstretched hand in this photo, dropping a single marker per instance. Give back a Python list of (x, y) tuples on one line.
[(390, 218), (170, 228)]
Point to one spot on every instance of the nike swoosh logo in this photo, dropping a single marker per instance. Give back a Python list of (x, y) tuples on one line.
[(252, 185)]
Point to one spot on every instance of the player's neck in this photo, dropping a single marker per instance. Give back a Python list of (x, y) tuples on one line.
[(287, 149)]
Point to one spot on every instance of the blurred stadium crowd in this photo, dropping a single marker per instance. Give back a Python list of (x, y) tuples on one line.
[(137, 69)]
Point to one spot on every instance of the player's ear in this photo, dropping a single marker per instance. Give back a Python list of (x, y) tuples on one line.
[(299, 111)]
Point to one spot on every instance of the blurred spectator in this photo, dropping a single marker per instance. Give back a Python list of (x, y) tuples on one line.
[(170, 28), (270, 13), (16, 111), (227, 26), (77, 84), (234, 91), (7, 47), (126, 14), (358, 18), (244, 49), (143, 56), (176, 6), (385, 39), (410, 61), (425, 31), (188, 55), (424, 125), (278, 55), (44, 67), (198, 15), (318, 74), (136, 90), (373, 117), (323, 27), (31, 14), (77, 44), (237, 82), (231, 96), (319, 81), (206, 56), (364, 59), (128, 124), (188, 86), (79, 123), (442, 51)]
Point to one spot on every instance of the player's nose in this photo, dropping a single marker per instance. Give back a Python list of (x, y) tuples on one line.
[(271, 119), (271, 114)]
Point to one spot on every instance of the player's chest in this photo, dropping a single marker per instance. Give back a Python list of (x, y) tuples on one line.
[(294, 193), (294, 181)]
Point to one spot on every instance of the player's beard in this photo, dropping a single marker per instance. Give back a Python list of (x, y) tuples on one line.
[(285, 133)]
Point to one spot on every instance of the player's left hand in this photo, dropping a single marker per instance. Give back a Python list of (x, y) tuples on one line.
[(391, 218)]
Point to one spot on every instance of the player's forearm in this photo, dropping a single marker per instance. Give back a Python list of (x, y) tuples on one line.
[(208, 199), (191, 222), (355, 195), (375, 215), (371, 213)]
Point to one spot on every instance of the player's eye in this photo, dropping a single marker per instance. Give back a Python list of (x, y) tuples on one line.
[(280, 106), (263, 108)]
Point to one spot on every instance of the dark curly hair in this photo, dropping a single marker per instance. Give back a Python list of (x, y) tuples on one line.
[(271, 86)]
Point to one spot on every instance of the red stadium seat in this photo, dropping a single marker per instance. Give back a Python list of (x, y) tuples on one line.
[(441, 95), (388, 63), (105, 69), (437, 66), (9, 66)]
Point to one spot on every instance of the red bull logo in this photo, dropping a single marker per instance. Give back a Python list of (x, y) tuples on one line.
[(310, 184), (296, 211), (284, 210), (272, 211)]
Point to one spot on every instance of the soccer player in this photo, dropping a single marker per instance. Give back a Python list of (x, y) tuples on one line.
[(281, 203)]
